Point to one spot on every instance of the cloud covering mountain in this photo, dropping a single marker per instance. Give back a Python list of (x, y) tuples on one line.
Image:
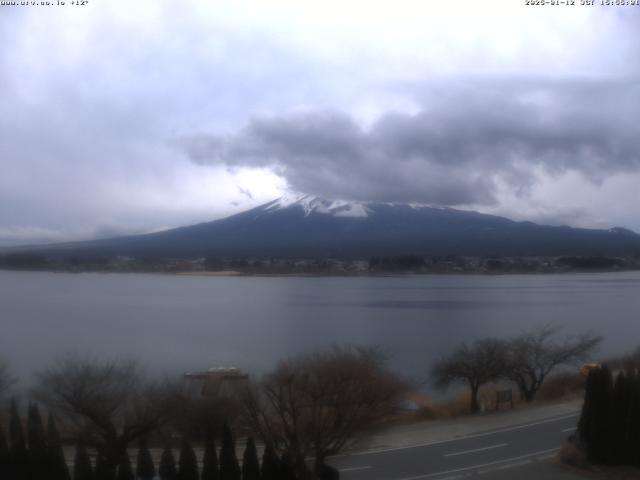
[(121, 117)]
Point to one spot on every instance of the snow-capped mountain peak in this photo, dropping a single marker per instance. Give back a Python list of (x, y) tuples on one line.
[(313, 204)]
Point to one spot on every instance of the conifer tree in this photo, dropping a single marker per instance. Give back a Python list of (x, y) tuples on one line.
[(188, 463), (145, 469), (287, 468), (4, 455), (18, 448), (631, 451), (125, 472), (329, 473), (270, 464), (210, 469), (82, 469), (55, 452), (250, 463), (229, 468), (586, 422), (38, 458), (167, 468), (597, 450), (619, 421), (104, 469)]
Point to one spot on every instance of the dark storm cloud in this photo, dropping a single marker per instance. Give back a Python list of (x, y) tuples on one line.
[(469, 134), (92, 100)]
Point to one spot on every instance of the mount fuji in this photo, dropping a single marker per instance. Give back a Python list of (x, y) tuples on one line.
[(308, 226)]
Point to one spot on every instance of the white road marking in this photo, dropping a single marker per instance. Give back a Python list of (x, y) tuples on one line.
[(464, 437), (355, 469), (569, 429), (505, 467), (475, 450), (474, 467), (546, 457)]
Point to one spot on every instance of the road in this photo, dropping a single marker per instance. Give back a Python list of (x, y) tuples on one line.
[(527, 448)]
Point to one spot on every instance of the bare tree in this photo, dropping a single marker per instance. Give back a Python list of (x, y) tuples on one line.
[(534, 355), (317, 405), (475, 364), (196, 414), (6, 380), (111, 402)]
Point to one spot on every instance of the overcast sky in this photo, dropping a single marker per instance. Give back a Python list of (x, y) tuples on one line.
[(133, 116)]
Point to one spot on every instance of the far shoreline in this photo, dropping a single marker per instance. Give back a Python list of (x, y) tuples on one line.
[(235, 273)]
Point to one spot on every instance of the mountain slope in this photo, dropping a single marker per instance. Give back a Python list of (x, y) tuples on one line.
[(306, 226)]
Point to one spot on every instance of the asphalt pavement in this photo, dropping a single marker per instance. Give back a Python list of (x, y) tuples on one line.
[(517, 450)]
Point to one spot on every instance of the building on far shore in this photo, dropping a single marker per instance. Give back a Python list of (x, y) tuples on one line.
[(220, 381)]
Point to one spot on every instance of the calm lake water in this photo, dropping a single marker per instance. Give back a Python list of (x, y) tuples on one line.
[(179, 323)]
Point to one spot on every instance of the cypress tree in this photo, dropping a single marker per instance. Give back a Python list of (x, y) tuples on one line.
[(167, 468), (287, 469), (4, 455), (38, 459), (329, 473), (632, 449), (210, 460), (104, 470), (619, 420), (586, 422), (18, 448), (145, 469), (188, 463), (597, 449), (125, 472), (229, 468), (55, 452), (82, 469), (250, 463), (270, 464)]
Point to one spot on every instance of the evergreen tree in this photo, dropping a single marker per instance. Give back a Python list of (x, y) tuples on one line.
[(586, 422), (167, 469), (18, 448), (55, 452), (632, 452), (145, 469), (82, 469), (229, 468), (125, 472), (104, 469), (287, 468), (329, 473), (210, 460), (270, 464), (4, 455), (597, 449), (250, 462), (619, 420), (38, 458), (188, 463)]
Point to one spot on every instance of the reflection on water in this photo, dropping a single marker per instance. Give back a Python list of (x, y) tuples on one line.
[(178, 323)]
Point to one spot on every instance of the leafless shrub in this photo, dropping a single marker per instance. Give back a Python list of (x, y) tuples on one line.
[(534, 355), (475, 364), (111, 403), (6, 380), (571, 455), (562, 386), (320, 404)]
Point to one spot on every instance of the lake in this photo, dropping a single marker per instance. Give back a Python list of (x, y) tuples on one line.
[(178, 323)]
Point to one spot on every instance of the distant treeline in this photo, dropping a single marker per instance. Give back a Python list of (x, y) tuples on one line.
[(329, 266)]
